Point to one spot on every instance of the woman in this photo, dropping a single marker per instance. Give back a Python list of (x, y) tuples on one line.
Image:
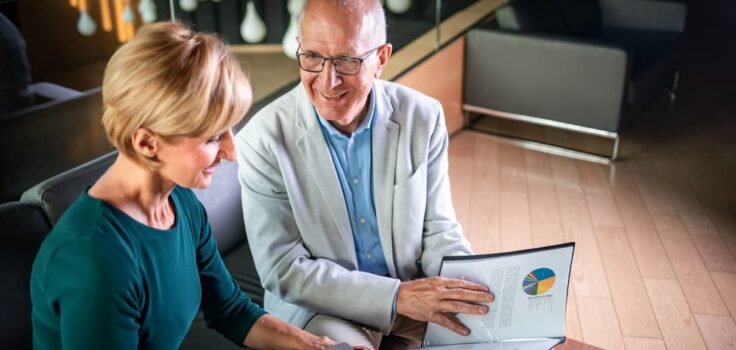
[(133, 259)]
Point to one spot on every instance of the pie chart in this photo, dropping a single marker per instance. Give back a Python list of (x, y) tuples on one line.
[(538, 281)]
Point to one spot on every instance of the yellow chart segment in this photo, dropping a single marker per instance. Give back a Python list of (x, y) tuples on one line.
[(544, 285)]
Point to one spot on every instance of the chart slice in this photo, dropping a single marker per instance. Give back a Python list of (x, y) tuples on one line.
[(539, 281)]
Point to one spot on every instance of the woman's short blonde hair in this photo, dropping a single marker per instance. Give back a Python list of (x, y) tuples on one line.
[(173, 82)]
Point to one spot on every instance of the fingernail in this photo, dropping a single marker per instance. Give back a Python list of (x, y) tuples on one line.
[(482, 310), (466, 332)]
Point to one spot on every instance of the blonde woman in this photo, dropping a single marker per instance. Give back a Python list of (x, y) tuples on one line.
[(133, 259)]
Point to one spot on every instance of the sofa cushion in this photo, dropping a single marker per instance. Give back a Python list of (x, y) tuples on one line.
[(224, 211), (23, 228), (532, 16), (583, 17)]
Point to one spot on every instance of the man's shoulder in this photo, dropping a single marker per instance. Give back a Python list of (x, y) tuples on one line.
[(270, 121), (280, 108), (410, 107), (403, 93)]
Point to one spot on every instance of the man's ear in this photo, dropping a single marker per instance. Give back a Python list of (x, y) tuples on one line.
[(384, 53), (145, 142)]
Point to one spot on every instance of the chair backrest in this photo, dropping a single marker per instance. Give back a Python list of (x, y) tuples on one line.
[(562, 17), (43, 142), (23, 228), (56, 194), (532, 16)]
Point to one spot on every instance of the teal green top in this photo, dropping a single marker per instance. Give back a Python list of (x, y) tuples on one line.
[(102, 280)]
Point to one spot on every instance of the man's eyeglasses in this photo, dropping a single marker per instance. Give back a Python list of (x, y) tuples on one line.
[(346, 65)]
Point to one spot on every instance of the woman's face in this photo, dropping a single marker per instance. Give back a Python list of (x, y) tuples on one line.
[(191, 161)]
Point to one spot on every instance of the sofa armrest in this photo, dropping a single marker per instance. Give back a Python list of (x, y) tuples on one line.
[(573, 82), (644, 14), (52, 91)]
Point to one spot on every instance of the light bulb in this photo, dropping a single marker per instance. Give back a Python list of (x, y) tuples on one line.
[(289, 43), (86, 25), (398, 6), (147, 8), (128, 15), (253, 30), (188, 5)]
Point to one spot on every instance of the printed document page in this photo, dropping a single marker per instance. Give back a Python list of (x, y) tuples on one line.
[(530, 290)]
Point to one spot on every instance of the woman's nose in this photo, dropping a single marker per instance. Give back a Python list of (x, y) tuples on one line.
[(227, 146)]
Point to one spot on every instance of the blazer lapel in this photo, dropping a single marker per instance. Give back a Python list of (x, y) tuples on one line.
[(313, 149), (385, 144)]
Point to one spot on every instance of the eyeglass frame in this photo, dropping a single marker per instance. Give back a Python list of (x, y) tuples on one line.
[(332, 60)]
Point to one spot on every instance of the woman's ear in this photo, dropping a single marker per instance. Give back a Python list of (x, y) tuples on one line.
[(145, 142)]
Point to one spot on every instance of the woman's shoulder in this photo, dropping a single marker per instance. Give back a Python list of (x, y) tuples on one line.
[(88, 230)]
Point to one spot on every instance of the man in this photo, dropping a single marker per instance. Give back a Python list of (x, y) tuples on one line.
[(346, 196)]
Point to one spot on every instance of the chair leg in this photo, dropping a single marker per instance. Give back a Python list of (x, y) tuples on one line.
[(672, 92), (616, 145)]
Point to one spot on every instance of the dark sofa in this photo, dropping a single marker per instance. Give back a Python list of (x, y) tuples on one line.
[(26, 222)]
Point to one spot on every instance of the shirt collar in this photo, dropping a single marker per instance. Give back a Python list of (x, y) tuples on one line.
[(365, 124)]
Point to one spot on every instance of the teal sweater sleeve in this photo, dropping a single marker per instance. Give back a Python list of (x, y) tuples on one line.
[(225, 307)]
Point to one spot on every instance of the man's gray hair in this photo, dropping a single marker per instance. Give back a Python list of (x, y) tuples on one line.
[(372, 8)]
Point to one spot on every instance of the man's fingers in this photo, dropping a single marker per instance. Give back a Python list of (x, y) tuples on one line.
[(468, 295), (461, 283), (461, 307), (450, 322)]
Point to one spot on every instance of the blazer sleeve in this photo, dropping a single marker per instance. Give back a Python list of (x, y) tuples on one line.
[(286, 267), (442, 234)]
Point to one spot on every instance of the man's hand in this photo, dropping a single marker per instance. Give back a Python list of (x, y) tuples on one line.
[(437, 299)]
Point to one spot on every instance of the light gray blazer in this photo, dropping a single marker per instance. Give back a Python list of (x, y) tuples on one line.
[(297, 222)]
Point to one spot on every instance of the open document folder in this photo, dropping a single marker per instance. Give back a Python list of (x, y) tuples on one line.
[(530, 290)]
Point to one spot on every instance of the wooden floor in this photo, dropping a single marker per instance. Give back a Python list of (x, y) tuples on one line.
[(655, 232)]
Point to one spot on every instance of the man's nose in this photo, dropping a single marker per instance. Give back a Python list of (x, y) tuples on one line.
[(330, 75)]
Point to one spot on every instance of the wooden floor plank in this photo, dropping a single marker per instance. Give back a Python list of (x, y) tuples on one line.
[(460, 158), (546, 224), (653, 190), (630, 297), (633, 343), (677, 324), (726, 283), (719, 331), (715, 253), (593, 178), (587, 273), (599, 323), (514, 201), (572, 320), (484, 221), (693, 276), (648, 250), (603, 211)]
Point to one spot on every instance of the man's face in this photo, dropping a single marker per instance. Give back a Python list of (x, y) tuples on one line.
[(339, 98)]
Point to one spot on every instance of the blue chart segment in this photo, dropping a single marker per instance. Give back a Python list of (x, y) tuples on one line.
[(538, 281)]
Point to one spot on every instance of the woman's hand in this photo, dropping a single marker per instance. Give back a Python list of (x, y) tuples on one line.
[(271, 333)]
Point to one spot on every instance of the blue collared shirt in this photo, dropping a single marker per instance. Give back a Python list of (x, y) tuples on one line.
[(352, 157)]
